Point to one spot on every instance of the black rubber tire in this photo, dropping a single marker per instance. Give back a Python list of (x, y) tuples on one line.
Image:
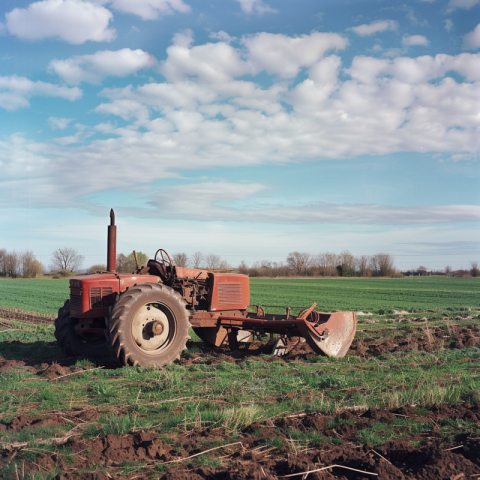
[(123, 326), (71, 343)]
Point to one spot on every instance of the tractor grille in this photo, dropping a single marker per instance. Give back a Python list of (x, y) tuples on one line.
[(101, 297), (229, 294), (75, 303)]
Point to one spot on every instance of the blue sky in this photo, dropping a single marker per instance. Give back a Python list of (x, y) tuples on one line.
[(245, 128)]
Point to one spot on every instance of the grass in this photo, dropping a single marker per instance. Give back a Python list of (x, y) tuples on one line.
[(233, 396), (377, 295), (41, 295)]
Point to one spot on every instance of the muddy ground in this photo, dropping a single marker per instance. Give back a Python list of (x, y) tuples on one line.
[(263, 451), (403, 339), (422, 338)]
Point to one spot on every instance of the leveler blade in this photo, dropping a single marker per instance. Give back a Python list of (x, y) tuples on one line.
[(332, 335)]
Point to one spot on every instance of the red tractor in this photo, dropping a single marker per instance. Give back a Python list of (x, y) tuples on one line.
[(144, 318)]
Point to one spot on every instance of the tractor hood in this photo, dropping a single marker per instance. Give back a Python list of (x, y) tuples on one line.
[(92, 296)]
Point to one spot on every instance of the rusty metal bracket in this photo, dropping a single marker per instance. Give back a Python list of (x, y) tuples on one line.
[(305, 313)]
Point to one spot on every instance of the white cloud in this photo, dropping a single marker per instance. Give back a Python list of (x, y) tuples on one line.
[(257, 6), (21, 159), (285, 56), (387, 106), (213, 62), (215, 201), (471, 41), (27, 176), (204, 115), (72, 20), (420, 70), (413, 40), (149, 9), (126, 108), (466, 4), (375, 27), (94, 68), (15, 91), (466, 157), (221, 35), (448, 25), (322, 83), (410, 14), (58, 123), (83, 132)]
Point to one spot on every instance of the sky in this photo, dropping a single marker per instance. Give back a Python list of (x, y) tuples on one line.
[(245, 128)]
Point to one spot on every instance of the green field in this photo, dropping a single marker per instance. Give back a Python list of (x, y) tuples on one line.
[(34, 295), (369, 294), (375, 295)]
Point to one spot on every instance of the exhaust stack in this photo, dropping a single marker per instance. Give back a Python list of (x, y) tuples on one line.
[(112, 244)]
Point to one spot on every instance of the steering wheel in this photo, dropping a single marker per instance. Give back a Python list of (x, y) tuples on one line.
[(165, 263)]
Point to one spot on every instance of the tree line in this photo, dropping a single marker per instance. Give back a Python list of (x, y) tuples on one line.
[(326, 264), (23, 264), (67, 260)]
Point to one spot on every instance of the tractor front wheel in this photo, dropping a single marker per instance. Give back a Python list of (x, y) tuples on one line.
[(73, 344), (149, 326)]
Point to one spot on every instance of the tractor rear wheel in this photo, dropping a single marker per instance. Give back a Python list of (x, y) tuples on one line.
[(73, 344), (148, 326)]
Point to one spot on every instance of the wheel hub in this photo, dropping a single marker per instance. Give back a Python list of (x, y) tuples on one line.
[(150, 328), (156, 328)]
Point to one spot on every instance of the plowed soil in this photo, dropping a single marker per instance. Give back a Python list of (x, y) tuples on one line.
[(403, 340), (252, 455)]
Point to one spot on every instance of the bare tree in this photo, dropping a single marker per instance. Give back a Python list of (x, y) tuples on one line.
[(3, 253), (348, 263), (30, 267), (382, 264), (327, 264), (320, 263), (332, 261), (11, 265), (180, 259), (268, 268), (421, 270), (474, 271), (362, 264), (448, 270), (224, 265), (197, 259), (299, 262), (66, 259), (373, 265), (254, 270), (213, 261), (243, 268)]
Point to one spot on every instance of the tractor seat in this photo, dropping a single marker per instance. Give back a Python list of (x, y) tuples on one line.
[(157, 268)]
